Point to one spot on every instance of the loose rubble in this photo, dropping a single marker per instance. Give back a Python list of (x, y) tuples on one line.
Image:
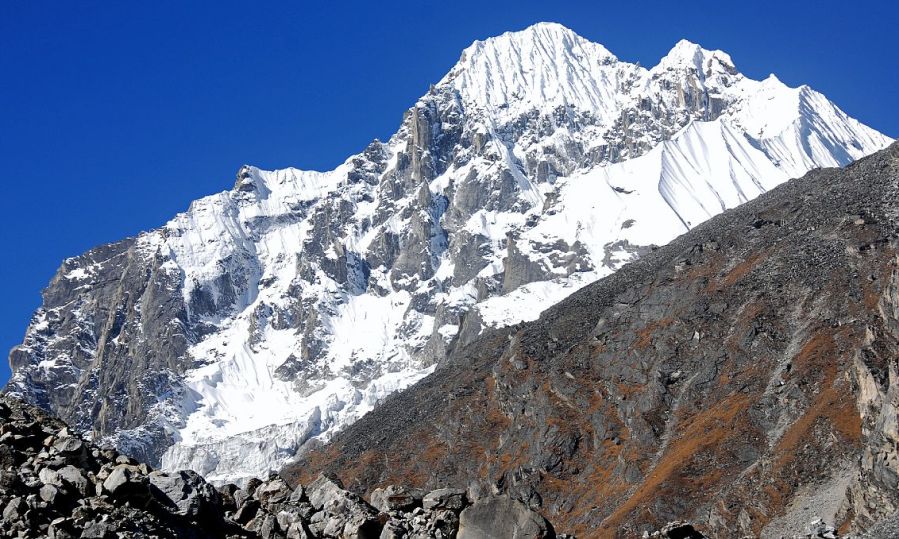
[(54, 484)]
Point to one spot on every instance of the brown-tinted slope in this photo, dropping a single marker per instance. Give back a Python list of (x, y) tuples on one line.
[(724, 379)]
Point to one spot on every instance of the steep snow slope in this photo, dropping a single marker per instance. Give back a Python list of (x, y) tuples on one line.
[(273, 314)]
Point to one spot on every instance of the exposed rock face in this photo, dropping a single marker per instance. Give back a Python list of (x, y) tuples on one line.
[(273, 314), (49, 490), (733, 378), (502, 517)]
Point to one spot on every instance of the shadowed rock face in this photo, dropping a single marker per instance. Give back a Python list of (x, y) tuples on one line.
[(107, 346), (734, 378)]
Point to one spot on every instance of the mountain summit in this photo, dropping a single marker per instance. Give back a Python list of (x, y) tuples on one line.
[(267, 317), (542, 66)]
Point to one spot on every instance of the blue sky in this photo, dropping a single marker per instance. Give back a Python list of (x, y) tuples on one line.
[(116, 115)]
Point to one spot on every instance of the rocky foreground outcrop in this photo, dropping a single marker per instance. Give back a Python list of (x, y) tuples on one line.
[(54, 484), (743, 377)]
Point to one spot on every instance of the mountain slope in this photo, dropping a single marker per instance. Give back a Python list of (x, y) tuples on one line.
[(276, 313), (742, 377)]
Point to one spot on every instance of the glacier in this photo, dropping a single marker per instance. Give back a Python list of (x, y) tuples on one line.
[(279, 311)]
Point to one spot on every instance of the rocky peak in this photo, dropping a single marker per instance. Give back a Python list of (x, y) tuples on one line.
[(543, 65), (688, 55)]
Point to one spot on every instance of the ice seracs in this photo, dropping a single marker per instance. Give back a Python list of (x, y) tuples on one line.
[(269, 316)]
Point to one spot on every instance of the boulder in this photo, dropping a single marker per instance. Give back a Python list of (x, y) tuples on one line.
[(247, 511), (62, 528), (444, 521), (250, 487), (48, 493), (349, 515), (394, 529), (396, 498), (49, 476), (72, 477), (445, 498), (298, 530), (7, 457), (298, 495), (226, 493), (69, 446), (14, 510), (501, 516), (327, 493), (99, 529), (273, 492), (186, 494), (817, 528), (265, 526), (126, 482)]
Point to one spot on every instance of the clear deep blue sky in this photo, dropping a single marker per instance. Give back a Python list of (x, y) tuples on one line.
[(114, 117)]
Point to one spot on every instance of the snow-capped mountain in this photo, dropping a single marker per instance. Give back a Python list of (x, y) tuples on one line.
[(267, 317)]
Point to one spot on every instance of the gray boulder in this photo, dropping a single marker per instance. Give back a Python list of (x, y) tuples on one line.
[(14, 510), (125, 481), (185, 493), (226, 493), (72, 477), (502, 517), (445, 498), (50, 477), (69, 446), (349, 516), (298, 530), (273, 492), (247, 511), (396, 498), (48, 493), (265, 526)]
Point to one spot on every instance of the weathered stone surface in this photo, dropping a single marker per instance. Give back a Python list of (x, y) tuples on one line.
[(14, 509), (187, 494), (226, 494), (48, 493), (74, 478), (126, 480), (445, 498), (69, 446), (273, 492), (396, 498), (501, 516), (351, 515)]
